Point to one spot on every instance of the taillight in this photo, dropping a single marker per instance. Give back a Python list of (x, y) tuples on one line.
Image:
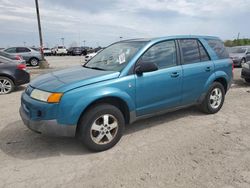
[(21, 66), (18, 57)]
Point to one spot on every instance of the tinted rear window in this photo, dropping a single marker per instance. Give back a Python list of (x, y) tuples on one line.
[(219, 48), (190, 51)]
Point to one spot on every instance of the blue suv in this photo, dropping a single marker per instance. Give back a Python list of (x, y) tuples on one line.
[(128, 81)]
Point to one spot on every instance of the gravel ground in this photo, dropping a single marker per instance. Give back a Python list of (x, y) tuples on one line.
[(179, 149)]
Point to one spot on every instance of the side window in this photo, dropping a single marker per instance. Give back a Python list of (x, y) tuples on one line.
[(22, 50), (203, 53), (190, 51), (162, 54), (10, 50), (219, 48)]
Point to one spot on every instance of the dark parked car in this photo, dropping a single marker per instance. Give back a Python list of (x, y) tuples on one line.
[(245, 73), (31, 56), (75, 51), (12, 74)]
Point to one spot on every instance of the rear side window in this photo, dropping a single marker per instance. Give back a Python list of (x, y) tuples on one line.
[(190, 51), (22, 50), (219, 48), (162, 54), (5, 60)]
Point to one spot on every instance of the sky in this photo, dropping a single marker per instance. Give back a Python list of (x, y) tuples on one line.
[(102, 22)]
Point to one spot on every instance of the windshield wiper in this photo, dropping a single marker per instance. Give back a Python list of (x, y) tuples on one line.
[(96, 68)]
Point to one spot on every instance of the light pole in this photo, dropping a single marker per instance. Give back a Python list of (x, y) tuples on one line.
[(43, 63), (84, 43)]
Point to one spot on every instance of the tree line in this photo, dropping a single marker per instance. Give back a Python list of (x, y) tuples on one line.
[(237, 42)]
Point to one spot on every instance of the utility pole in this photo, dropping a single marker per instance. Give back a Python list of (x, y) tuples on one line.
[(84, 43), (43, 63)]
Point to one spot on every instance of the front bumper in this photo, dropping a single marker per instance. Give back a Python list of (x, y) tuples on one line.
[(47, 127), (245, 73)]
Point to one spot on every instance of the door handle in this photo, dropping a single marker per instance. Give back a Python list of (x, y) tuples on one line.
[(175, 74), (208, 69)]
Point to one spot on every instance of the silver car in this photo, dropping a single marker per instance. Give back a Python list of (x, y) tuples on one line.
[(32, 57)]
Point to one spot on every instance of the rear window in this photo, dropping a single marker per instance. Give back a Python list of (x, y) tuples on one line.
[(5, 60), (219, 48)]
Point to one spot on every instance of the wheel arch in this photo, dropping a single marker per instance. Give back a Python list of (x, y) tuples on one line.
[(8, 76), (112, 100)]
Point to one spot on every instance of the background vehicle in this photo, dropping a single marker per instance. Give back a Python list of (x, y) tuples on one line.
[(47, 51), (75, 51), (16, 58), (238, 54), (59, 50), (32, 57), (245, 72), (12, 74), (89, 56), (125, 82)]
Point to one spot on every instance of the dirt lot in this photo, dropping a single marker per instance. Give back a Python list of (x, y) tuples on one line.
[(180, 149)]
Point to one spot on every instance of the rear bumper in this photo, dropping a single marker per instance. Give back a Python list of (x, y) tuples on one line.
[(22, 77), (47, 127)]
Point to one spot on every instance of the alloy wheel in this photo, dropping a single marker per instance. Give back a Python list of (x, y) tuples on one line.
[(215, 98), (5, 86), (104, 129)]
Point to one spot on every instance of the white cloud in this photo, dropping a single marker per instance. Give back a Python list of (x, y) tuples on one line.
[(104, 21)]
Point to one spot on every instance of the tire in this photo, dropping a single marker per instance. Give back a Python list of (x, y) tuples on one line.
[(6, 85), (247, 80), (214, 99), (97, 135), (34, 62)]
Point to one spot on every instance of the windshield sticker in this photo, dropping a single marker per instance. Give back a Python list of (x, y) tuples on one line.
[(122, 58)]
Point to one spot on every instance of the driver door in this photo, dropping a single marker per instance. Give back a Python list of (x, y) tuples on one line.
[(159, 90)]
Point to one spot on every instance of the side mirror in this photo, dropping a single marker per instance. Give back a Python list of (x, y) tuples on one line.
[(145, 67)]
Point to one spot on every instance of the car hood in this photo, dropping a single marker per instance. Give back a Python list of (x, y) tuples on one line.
[(68, 79), (239, 55)]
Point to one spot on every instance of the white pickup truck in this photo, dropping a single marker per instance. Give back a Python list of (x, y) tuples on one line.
[(59, 50)]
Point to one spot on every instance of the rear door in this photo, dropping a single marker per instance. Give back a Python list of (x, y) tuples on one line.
[(161, 89), (197, 68), (24, 52)]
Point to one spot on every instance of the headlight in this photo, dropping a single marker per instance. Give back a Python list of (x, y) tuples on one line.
[(46, 96)]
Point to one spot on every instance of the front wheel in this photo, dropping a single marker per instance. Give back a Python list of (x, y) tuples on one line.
[(214, 99), (101, 127)]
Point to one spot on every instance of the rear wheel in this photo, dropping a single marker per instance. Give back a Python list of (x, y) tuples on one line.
[(34, 62), (6, 85), (214, 99), (101, 127), (247, 80)]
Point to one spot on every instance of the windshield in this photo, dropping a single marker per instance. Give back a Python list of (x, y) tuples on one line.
[(238, 50), (116, 56)]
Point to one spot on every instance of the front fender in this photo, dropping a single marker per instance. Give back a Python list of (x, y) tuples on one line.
[(74, 102)]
